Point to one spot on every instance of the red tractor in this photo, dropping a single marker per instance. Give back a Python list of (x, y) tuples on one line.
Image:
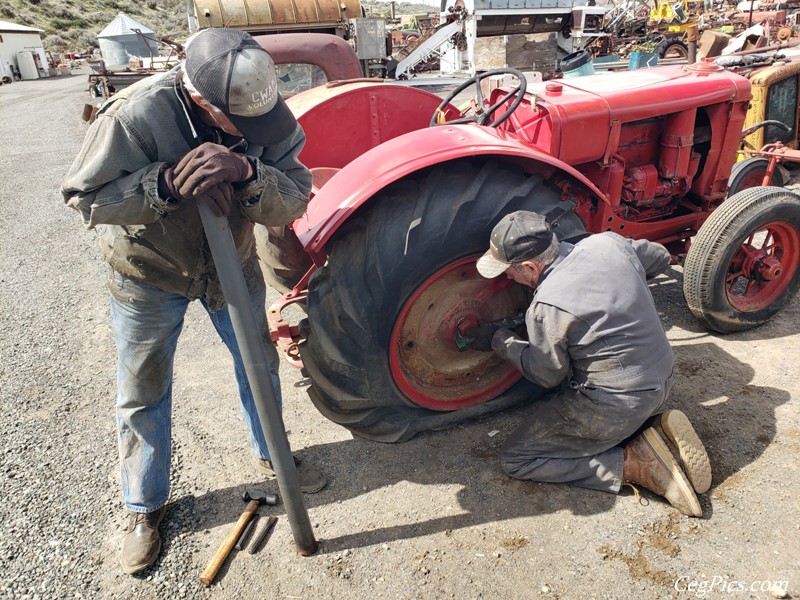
[(407, 189)]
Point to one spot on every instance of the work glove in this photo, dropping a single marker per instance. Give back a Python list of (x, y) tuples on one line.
[(166, 185), (218, 198), (480, 338), (206, 167)]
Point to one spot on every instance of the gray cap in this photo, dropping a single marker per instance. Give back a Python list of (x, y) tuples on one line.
[(519, 236), (235, 74)]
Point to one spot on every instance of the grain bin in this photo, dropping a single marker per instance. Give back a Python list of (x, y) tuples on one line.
[(124, 38)]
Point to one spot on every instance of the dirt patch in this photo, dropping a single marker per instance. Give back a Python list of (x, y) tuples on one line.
[(638, 565), (513, 543), (660, 536)]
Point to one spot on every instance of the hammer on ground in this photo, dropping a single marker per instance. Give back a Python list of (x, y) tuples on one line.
[(254, 499)]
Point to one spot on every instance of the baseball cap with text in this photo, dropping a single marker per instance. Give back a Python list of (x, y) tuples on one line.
[(235, 74), (519, 236)]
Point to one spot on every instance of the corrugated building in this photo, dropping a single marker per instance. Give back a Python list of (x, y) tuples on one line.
[(124, 38)]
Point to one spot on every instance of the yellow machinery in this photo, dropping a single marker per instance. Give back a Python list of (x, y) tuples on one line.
[(776, 91), (671, 16)]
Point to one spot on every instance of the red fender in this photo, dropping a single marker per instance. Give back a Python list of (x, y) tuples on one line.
[(358, 181)]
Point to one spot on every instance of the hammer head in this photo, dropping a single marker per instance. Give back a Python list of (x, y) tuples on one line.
[(260, 497)]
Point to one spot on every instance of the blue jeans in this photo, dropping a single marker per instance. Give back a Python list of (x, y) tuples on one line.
[(147, 322)]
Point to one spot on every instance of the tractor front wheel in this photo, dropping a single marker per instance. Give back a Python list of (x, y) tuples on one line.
[(750, 172), (744, 264), (400, 278)]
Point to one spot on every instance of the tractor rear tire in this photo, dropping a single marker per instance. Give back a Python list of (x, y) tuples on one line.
[(380, 345), (744, 264), (281, 256)]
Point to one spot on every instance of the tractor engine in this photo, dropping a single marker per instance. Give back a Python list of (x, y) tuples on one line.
[(658, 144), (657, 164)]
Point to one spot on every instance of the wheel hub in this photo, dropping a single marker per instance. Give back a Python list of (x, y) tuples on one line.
[(763, 267), (425, 361), (767, 268)]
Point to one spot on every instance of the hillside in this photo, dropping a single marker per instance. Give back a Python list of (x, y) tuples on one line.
[(71, 25)]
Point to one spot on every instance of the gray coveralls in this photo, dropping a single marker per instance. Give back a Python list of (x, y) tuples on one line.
[(594, 335)]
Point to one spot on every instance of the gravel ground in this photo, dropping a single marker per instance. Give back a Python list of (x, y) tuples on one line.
[(432, 518)]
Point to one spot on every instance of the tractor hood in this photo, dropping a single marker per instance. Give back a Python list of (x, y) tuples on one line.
[(580, 112)]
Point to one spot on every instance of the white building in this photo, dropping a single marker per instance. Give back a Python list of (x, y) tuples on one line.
[(22, 47)]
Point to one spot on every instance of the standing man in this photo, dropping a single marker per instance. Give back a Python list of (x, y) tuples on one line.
[(594, 336), (213, 130)]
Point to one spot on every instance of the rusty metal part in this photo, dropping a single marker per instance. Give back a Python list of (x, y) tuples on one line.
[(261, 534), (242, 541), (254, 15), (426, 363), (285, 336), (784, 34), (777, 152), (771, 48)]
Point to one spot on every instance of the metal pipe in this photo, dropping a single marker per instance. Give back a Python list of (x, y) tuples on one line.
[(691, 44), (773, 48), (256, 366)]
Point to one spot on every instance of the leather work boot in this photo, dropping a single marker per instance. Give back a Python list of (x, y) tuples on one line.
[(143, 542), (649, 463), (685, 445), (311, 479)]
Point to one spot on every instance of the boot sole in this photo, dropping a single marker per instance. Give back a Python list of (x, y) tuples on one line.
[(693, 456), (659, 447)]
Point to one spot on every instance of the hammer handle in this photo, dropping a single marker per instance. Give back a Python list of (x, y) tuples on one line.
[(213, 567)]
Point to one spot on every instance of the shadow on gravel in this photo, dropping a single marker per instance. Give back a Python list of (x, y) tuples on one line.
[(735, 419), (464, 457)]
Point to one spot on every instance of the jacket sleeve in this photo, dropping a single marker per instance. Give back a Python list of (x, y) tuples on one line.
[(280, 191), (654, 257), (544, 358), (112, 180)]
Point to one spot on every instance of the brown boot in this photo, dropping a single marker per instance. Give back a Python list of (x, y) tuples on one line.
[(685, 445), (143, 541), (649, 463)]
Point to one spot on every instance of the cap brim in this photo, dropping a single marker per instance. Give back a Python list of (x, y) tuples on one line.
[(267, 129), (490, 267)]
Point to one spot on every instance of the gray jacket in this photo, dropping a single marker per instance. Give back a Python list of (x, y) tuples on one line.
[(593, 320), (113, 182)]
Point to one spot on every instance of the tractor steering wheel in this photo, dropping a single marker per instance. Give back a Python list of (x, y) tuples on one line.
[(483, 115)]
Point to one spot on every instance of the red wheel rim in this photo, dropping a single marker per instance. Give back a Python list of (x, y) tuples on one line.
[(425, 362), (753, 179), (763, 266)]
